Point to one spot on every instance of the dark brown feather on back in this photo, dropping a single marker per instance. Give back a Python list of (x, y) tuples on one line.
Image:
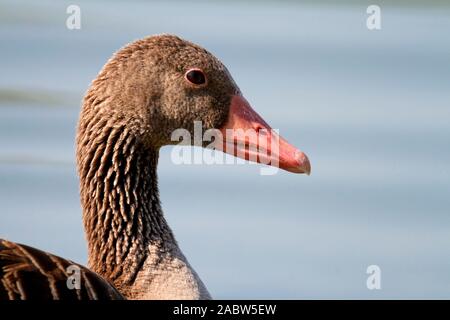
[(29, 273)]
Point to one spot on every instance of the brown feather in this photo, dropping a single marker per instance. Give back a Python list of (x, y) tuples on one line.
[(28, 273)]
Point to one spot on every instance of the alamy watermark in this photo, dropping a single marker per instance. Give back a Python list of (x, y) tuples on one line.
[(74, 279), (373, 281), (373, 21), (255, 146), (73, 21)]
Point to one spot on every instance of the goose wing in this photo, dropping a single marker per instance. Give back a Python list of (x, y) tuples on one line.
[(29, 273)]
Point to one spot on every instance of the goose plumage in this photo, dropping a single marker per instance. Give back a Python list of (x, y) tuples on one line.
[(147, 90)]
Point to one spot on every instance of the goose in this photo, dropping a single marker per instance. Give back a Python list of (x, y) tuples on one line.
[(148, 89)]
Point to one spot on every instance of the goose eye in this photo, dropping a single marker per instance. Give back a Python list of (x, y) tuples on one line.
[(195, 76)]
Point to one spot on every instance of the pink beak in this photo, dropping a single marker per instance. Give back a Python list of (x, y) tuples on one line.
[(247, 135)]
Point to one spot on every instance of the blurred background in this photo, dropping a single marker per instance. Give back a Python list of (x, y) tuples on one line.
[(370, 108)]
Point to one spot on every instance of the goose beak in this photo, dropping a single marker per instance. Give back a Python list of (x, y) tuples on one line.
[(246, 135)]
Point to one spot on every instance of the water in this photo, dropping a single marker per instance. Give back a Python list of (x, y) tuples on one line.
[(371, 109)]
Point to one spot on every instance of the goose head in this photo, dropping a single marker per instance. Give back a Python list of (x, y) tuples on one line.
[(148, 90), (164, 83)]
